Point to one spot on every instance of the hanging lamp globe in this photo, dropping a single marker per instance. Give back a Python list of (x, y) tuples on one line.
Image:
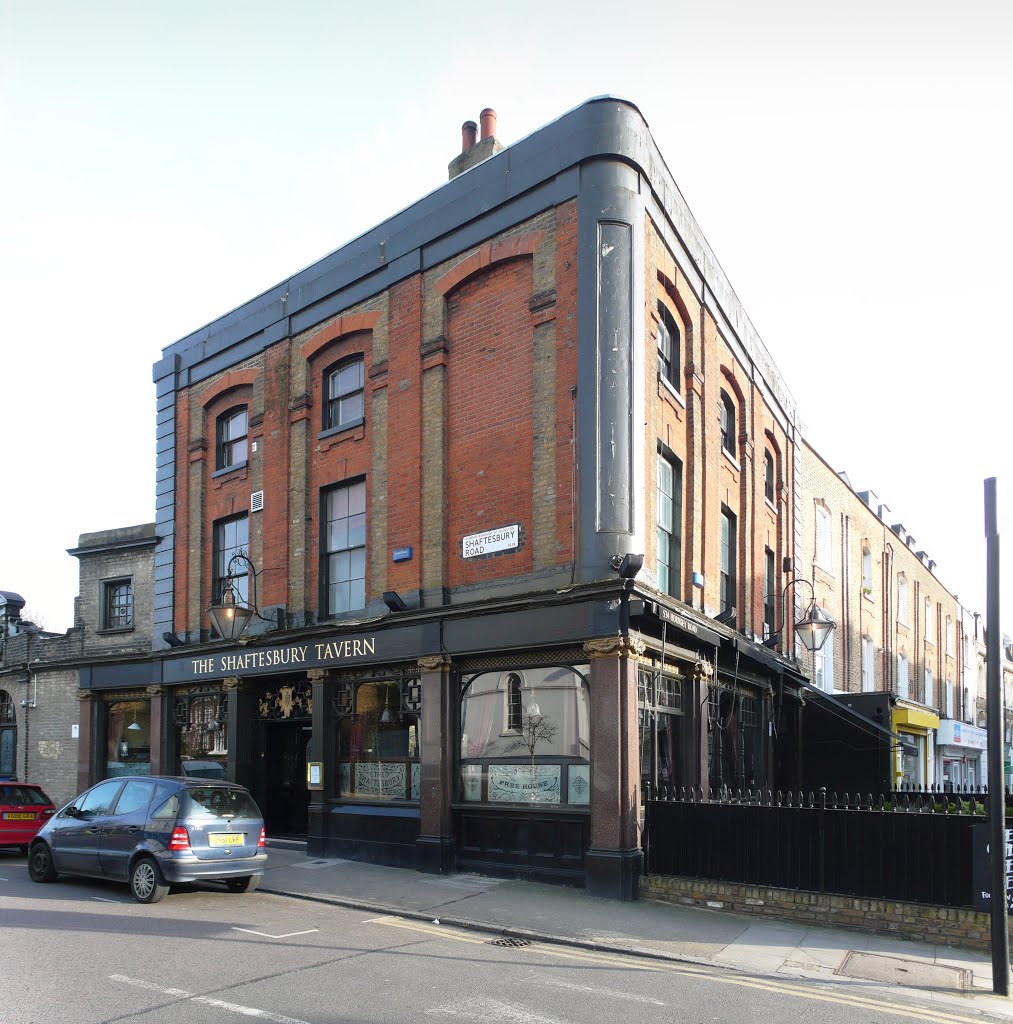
[(814, 627), (228, 617)]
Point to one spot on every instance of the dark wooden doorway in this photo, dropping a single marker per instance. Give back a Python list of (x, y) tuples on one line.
[(286, 798)]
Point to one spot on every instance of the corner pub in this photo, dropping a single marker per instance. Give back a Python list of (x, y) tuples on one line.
[(464, 479)]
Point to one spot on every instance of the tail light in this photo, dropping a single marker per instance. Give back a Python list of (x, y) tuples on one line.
[(262, 841), (49, 812), (180, 839)]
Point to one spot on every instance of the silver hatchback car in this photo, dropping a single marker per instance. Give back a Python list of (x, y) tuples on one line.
[(152, 832)]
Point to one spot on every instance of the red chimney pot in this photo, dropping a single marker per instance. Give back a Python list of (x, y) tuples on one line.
[(469, 135), (488, 120)]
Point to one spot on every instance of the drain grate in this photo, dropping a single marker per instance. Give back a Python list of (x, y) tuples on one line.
[(508, 940)]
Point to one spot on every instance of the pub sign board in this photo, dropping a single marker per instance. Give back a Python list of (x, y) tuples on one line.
[(981, 872)]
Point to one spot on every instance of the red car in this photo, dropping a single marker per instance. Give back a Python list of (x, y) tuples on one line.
[(24, 809)]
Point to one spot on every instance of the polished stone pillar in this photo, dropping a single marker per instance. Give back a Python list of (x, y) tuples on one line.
[(614, 861), (435, 844), (159, 756), (90, 738)]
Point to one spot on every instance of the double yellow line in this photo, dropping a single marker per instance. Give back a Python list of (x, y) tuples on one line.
[(919, 1013)]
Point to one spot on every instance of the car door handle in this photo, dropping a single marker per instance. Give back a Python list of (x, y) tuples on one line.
[(133, 828)]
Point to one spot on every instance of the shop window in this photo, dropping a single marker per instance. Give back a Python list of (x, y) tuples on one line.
[(736, 738), (8, 734), (769, 594), (668, 347), (663, 740), (231, 537), (344, 541), (230, 438), (128, 738), (378, 741), (117, 604), (729, 544), (728, 437), (548, 760), (201, 721), (669, 524), (344, 393)]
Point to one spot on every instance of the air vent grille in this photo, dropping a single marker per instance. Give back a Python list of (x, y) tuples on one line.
[(257, 501)]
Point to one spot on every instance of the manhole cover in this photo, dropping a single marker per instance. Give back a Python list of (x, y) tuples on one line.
[(897, 971), (509, 941)]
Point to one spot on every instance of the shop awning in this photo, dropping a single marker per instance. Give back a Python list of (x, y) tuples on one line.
[(836, 706)]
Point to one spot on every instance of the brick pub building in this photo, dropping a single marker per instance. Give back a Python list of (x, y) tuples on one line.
[(515, 478)]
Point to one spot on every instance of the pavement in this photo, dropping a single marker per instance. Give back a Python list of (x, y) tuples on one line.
[(935, 975)]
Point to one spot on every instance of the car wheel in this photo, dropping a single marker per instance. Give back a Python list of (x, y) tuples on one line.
[(40, 864), (245, 884), (146, 882)]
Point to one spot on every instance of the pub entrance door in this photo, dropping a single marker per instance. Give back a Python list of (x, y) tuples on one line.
[(286, 797)]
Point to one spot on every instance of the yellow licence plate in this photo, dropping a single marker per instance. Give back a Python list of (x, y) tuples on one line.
[(19, 816), (225, 839)]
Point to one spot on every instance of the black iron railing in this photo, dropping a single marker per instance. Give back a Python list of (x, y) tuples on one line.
[(915, 846)]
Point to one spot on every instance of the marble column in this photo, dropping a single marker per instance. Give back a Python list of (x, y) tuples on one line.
[(435, 844), (614, 861), (159, 755), (321, 748), (90, 736)]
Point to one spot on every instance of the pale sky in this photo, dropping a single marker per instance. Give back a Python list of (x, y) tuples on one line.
[(166, 161)]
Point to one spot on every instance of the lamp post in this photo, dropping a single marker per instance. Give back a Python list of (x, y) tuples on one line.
[(813, 628), (229, 616)]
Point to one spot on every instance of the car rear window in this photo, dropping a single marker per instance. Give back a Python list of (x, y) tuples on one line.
[(212, 802), (25, 796)]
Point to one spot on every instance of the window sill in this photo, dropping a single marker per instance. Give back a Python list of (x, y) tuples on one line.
[(521, 808), (671, 390), (113, 630), (341, 428), (868, 597), (229, 469), (731, 459), (770, 505)]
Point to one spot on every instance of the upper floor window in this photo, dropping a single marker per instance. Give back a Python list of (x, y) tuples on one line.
[(902, 599), (231, 537), (230, 445), (769, 594), (902, 676), (344, 386), (949, 698), (344, 548), (728, 436), (514, 708), (866, 569), (949, 636), (929, 630), (117, 604), (768, 477), (824, 551), (729, 541), (669, 525), (668, 346), (868, 672), (823, 666), (930, 687)]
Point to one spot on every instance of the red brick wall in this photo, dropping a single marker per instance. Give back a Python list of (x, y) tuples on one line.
[(490, 383)]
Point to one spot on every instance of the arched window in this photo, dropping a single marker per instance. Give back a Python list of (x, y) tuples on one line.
[(547, 759), (230, 438), (669, 346), (728, 435), (344, 394), (8, 734), (768, 477)]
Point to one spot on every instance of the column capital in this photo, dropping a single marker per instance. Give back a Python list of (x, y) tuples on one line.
[(231, 683), (434, 662), (154, 691), (316, 675), (614, 647)]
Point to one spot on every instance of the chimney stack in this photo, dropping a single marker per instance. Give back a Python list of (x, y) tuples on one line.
[(474, 147), (469, 135)]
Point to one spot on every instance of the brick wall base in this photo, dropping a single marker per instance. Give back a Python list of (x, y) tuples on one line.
[(969, 929)]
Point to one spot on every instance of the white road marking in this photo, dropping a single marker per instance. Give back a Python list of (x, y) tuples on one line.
[(597, 991), (102, 899), (492, 1011), (221, 1004), (264, 935), (4, 879)]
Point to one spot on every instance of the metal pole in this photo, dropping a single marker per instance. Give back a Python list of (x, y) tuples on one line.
[(996, 779)]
